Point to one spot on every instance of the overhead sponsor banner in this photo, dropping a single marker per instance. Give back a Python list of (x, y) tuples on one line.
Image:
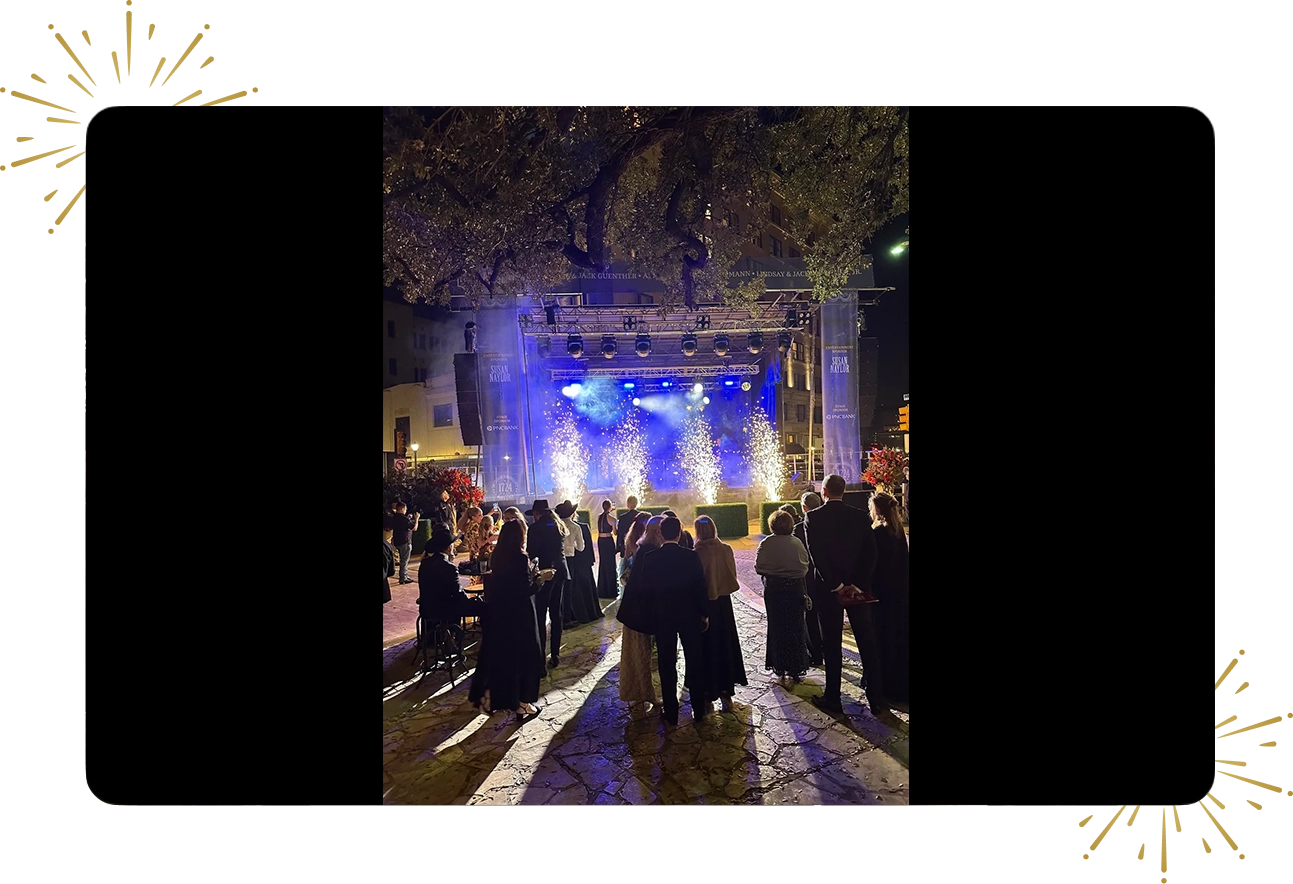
[(504, 457), (841, 436)]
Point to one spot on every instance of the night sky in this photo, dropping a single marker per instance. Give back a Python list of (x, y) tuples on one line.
[(888, 322)]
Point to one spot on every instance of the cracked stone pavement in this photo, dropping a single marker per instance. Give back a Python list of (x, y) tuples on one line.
[(775, 748)]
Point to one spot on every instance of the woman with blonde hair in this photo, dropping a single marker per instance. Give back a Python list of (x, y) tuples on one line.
[(889, 583), (782, 561), (724, 665), (636, 687)]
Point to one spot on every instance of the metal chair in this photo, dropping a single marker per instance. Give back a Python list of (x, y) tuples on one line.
[(439, 643)]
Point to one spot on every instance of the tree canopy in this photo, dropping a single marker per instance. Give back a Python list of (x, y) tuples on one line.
[(504, 201)]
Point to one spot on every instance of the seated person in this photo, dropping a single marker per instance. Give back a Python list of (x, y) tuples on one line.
[(442, 596)]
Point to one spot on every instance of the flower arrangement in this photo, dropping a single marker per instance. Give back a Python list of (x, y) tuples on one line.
[(421, 488), (884, 469)]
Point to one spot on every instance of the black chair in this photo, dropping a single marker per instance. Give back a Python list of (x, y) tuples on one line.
[(439, 643)]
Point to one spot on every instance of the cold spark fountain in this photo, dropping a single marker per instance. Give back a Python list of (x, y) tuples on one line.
[(699, 459), (765, 458)]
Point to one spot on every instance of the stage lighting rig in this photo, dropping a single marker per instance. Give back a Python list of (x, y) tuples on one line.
[(784, 341), (702, 322), (545, 347), (745, 385), (643, 345), (609, 347), (721, 345), (688, 345), (792, 318), (754, 342), (550, 314), (575, 346), (630, 323)]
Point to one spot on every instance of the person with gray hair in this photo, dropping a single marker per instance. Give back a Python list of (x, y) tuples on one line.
[(811, 500)]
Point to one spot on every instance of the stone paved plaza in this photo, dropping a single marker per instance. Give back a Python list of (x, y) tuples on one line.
[(775, 748)]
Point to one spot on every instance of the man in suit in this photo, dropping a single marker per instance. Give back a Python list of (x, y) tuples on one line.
[(811, 500), (544, 542), (842, 549), (680, 611), (624, 524), (442, 597)]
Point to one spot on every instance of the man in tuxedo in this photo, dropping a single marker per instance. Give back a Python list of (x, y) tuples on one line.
[(624, 524), (842, 550), (811, 500), (680, 611)]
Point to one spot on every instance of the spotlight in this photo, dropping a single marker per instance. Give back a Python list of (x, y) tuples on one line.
[(705, 400), (720, 345), (609, 347), (688, 345), (665, 384), (643, 345), (728, 383), (702, 322), (576, 388), (792, 318), (569, 392), (698, 389), (745, 385), (754, 342), (637, 401), (575, 346), (545, 347), (629, 385), (783, 341)]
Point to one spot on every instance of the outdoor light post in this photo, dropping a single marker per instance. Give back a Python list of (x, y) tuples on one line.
[(414, 449)]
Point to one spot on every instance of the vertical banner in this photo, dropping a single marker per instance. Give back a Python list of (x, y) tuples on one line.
[(841, 439), (504, 456)]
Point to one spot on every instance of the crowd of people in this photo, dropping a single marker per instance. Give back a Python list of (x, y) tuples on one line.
[(674, 588)]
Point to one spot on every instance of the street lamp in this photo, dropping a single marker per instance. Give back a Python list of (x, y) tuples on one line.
[(414, 449), (904, 245)]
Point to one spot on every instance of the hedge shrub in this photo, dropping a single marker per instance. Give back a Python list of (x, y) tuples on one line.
[(768, 507), (421, 534), (586, 517), (731, 519)]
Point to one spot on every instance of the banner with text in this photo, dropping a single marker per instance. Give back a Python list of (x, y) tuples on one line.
[(841, 438), (504, 458)]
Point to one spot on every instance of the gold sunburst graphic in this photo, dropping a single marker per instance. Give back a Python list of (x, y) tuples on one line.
[(61, 96), (1248, 794)]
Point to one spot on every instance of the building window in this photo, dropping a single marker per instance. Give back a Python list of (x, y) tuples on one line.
[(801, 380), (794, 252), (394, 370), (817, 415), (776, 246), (775, 214), (444, 415), (801, 413), (733, 220), (790, 438), (390, 328), (758, 239)]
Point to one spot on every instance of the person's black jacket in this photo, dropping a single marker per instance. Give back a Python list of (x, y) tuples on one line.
[(802, 536), (543, 541), (840, 545), (679, 594), (622, 529), (438, 585), (636, 608), (390, 570)]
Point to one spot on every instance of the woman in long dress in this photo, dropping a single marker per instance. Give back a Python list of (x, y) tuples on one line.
[(583, 577), (890, 585), (574, 604), (782, 561), (510, 665), (608, 584), (636, 687), (724, 665)]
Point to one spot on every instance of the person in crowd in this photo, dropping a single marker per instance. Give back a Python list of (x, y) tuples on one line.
[(469, 530), (890, 585), (402, 526), (782, 562), (390, 569), (513, 514), (843, 553), (724, 664), (630, 547), (442, 597), (575, 608), (585, 585), (811, 500), (906, 493), (608, 584), (635, 614), (679, 612), (443, 512), (546, 541), (686, 541), (625, 524), (510, 664)]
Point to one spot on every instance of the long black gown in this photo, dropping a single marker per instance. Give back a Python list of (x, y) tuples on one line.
[(608, 583), (579, 601), (892, 621), (510, 664), (582, 575)]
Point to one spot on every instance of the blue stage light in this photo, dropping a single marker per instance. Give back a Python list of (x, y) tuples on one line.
[(629, 385), (637, 401), (728, 383), (665, 384)]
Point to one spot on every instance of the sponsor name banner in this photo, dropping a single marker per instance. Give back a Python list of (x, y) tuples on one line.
[(841, 436), (504, 456)]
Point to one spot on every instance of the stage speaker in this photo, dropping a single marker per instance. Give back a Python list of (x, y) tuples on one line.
[(465, 378)]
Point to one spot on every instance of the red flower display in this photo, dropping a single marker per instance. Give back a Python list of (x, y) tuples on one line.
[(885, 468)]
